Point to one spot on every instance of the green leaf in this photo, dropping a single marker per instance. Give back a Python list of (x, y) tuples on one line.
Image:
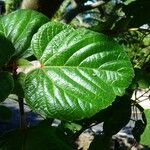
[(36, 138), (18, 83), (6, 85), (128, 1), (141, 79), (45, 34), (19, 28), (6, 50), (73, 127), (145, 140), (23, 62), (5, 113), (81, 72)]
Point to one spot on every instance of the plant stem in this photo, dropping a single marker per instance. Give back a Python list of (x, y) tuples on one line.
[(23, 125)]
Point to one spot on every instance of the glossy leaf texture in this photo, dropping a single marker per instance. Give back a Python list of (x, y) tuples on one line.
[(6, 50), (6, 85), (81, 72), (145, 140), (19, 27)]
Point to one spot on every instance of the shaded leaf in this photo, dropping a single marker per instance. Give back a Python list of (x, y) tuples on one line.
[(138, 12), (119, 115), (39, 137), (138, 129), (6, 85), (81, 72), (140, 124), (19, 27), (101, 142), (18, 84), (141, 79), (6, 50), (5, 113)]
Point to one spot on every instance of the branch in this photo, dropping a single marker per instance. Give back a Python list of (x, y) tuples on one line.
[(79, 8), (23, 124)]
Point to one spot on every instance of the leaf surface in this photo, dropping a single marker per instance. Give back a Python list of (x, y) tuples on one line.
[(6, 85), (19, 27), (6, 50), (38, 137), (81, 72), (5, 113), (145, 140)]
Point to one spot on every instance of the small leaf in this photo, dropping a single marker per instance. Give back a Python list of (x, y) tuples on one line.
[(6, 85), (81, 72), (23, 62), (6, 50), (5, 113), (73, 127), (142, 79), (145, 137), (19, 27)]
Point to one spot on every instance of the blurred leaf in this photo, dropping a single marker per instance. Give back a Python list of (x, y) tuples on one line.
[(5, 113), (42, 136), (18, 84), (145, 137), (19, 27), (72, 126), (119, 115), (6, 85), (23, 62), (138, 12), (146, 40), (128, 1), (138, 130), (6, 50), (135, 45), (100, 142), (142, 79)]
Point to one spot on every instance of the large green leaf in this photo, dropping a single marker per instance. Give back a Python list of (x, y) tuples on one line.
[(145, 137), (6, 85), (19, 28), (6, 50), (81, 72)]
